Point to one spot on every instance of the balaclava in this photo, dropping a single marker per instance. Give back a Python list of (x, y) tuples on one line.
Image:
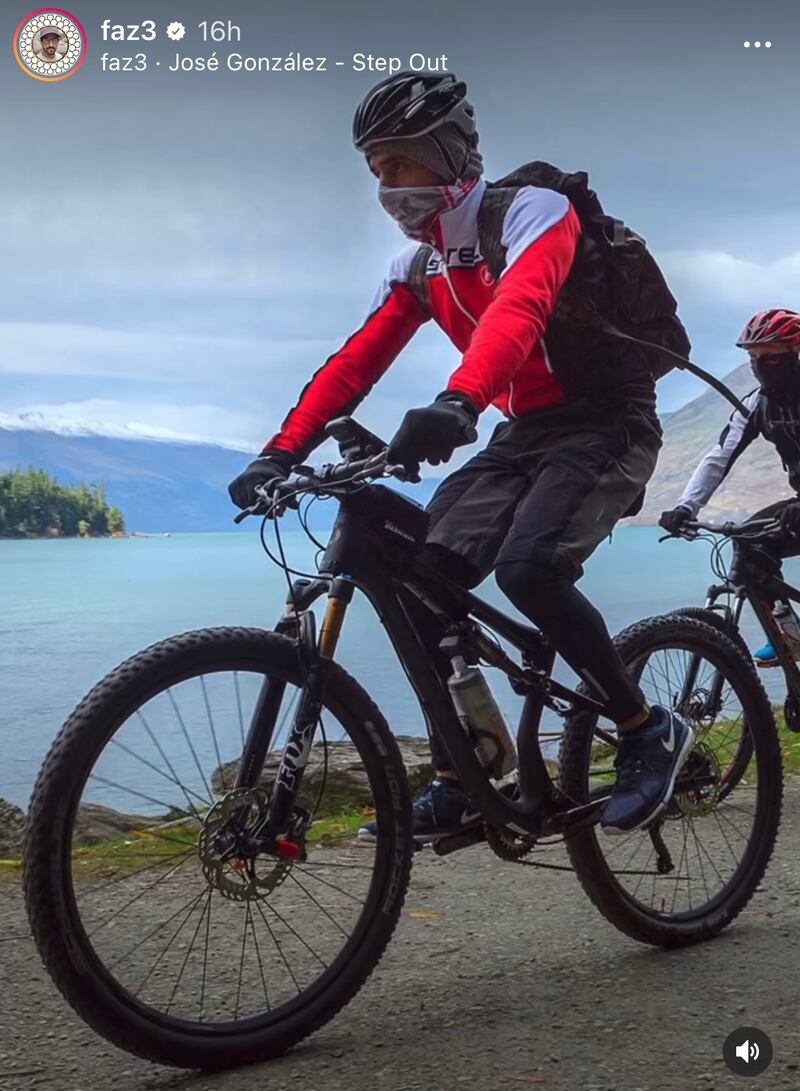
[(447, 152)]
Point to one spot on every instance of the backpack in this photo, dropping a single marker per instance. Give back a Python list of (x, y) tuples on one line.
[(615, 290)]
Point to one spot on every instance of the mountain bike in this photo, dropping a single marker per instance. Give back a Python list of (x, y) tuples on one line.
[(754, 578), (237, 912)]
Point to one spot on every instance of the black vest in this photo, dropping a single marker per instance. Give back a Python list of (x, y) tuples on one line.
[(777, 418)]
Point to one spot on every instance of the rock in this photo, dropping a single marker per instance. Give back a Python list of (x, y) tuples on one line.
[(12, 828), (96, 823), (346, 775)]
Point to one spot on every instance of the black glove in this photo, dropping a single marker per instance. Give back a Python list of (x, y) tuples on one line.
[(673, 520), (433, 433), (790, 518), (267, 471)]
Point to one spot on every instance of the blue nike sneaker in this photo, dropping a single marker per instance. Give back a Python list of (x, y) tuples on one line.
[(442, 808), (765, 656), (648, 762)]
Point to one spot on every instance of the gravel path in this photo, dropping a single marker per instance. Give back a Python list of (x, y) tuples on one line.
[(499, 976)]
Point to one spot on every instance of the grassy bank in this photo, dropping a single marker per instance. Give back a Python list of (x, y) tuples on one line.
[(140, 848)]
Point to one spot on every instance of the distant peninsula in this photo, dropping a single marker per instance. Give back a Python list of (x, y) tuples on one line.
[(35, 505)]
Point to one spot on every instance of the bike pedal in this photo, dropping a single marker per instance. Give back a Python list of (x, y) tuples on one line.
[(443, 846)]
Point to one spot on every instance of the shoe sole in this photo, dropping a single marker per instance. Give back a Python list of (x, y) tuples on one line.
[(765, 664), (615, 831), (367, 838)]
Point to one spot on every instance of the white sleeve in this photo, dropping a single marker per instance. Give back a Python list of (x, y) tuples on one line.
[(736, 436), (530, 215), (399, 272)]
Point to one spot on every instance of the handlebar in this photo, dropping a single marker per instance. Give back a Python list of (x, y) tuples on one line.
[(753, 530), (331, 478)]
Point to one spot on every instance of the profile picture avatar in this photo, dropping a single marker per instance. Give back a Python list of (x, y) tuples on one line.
[(49, 44)]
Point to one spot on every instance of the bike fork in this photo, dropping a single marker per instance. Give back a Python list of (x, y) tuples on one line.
[(316, 658), (714, 698)]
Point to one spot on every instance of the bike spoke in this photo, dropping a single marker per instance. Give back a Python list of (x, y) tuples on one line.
[(189, 950), (297, 935), (319, 906), (239, 706), (276, 941), (137, 897), (319, 879), (176, 710), (205, 959), (192, 904), (213, 732), (186, 791)]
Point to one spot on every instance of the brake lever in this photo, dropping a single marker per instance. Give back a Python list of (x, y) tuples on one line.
[(255, 509), (272, 505)]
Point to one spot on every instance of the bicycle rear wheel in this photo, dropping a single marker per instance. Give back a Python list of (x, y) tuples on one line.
[(689, 875), (164, 941)]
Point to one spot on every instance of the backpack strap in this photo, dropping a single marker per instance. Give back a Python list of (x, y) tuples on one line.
[(491, 216), (418, 276)]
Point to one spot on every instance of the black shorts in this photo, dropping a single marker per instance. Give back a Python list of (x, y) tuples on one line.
[(548, 488)]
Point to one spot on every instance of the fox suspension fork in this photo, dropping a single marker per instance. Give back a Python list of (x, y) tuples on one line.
[(315, 659)]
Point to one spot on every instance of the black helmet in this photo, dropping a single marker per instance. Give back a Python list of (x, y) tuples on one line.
[(411, 104)]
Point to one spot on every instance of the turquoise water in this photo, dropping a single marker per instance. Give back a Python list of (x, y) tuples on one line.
[(71, 610)]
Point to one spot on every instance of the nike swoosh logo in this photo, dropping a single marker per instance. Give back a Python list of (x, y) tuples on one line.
[(469, 816), (669, 744)]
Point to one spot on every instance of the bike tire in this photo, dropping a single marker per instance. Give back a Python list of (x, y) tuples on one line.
[(712, 618), (57, 929), (587, 858)]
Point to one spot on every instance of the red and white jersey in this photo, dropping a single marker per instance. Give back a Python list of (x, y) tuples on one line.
[(498, 326)]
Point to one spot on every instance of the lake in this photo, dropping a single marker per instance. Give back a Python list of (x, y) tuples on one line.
[(71, 610)]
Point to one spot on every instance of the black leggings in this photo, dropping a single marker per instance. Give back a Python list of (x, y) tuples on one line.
[(574, 628)]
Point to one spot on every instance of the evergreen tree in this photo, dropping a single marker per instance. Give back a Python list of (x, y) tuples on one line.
[(33, 504)]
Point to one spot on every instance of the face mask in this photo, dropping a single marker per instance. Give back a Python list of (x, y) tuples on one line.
[(777, 372), (416, 208)]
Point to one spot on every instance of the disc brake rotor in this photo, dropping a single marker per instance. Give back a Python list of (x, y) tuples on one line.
[(235, 874), (699, 801)]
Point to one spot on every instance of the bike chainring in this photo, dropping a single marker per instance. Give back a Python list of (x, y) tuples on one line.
[(507, 846), (238, 875)]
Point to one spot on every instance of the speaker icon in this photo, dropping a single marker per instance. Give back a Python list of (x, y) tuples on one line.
[(748, 1051)]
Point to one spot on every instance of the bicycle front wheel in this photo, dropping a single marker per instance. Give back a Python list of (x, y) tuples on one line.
[(688, 875), (166, 941)]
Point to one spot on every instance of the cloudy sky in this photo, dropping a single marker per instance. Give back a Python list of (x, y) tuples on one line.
[(180, 251)]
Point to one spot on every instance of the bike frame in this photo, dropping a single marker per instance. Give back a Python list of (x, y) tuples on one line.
[(361, 556), (762, 589)]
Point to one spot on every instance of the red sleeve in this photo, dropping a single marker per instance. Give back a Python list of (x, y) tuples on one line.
[(346, 378), (517, 316)]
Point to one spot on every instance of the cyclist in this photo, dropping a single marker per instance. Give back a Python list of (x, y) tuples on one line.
[(772, 340), (568, 462)]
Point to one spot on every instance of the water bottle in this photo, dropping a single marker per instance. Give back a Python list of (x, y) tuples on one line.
[(482, 719), (785, 617)]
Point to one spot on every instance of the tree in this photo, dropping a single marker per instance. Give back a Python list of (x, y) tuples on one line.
[(33, 504), (116, 522)]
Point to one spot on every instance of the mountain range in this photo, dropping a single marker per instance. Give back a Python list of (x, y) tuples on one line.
[(159, 485), (757, 479), (168, 485)]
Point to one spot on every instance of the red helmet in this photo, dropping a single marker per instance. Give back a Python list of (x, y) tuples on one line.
[(767, 326)]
